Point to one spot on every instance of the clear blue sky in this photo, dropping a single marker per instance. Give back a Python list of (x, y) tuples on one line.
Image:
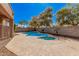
[(25, 11)]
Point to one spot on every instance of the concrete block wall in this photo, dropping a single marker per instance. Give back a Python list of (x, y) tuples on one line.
[(69, 31)]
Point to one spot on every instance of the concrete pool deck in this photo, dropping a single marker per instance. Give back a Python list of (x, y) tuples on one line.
[(23, 45)]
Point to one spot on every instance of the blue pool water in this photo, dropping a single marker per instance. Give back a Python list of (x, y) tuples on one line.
[(40, 35), (32, 33)]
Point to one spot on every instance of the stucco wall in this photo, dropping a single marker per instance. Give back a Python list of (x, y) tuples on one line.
[(8, 8), (0, 31), (5, 9), (7, 25)]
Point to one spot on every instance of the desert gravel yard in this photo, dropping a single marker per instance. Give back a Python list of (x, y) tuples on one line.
[(23, 45)]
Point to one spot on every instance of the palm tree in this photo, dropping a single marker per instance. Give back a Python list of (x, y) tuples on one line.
[(23, 22)]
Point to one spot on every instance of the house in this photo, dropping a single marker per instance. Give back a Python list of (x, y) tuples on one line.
[(6, 21)]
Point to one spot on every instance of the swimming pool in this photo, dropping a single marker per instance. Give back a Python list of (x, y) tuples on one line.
[(40, 35)]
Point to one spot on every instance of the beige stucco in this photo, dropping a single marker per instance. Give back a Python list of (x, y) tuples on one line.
[(7, 23), (6, 10)]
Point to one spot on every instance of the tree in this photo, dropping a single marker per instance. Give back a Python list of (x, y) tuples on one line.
[(75, 14), (14, 27), (69, 15), (23, 23), (62, 16), (34, 23), (44, 19)]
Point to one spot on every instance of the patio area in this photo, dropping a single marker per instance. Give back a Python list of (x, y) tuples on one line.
[(23, 45), (4, 51)]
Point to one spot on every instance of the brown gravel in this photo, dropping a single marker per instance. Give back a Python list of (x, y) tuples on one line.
[(4, 51)]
